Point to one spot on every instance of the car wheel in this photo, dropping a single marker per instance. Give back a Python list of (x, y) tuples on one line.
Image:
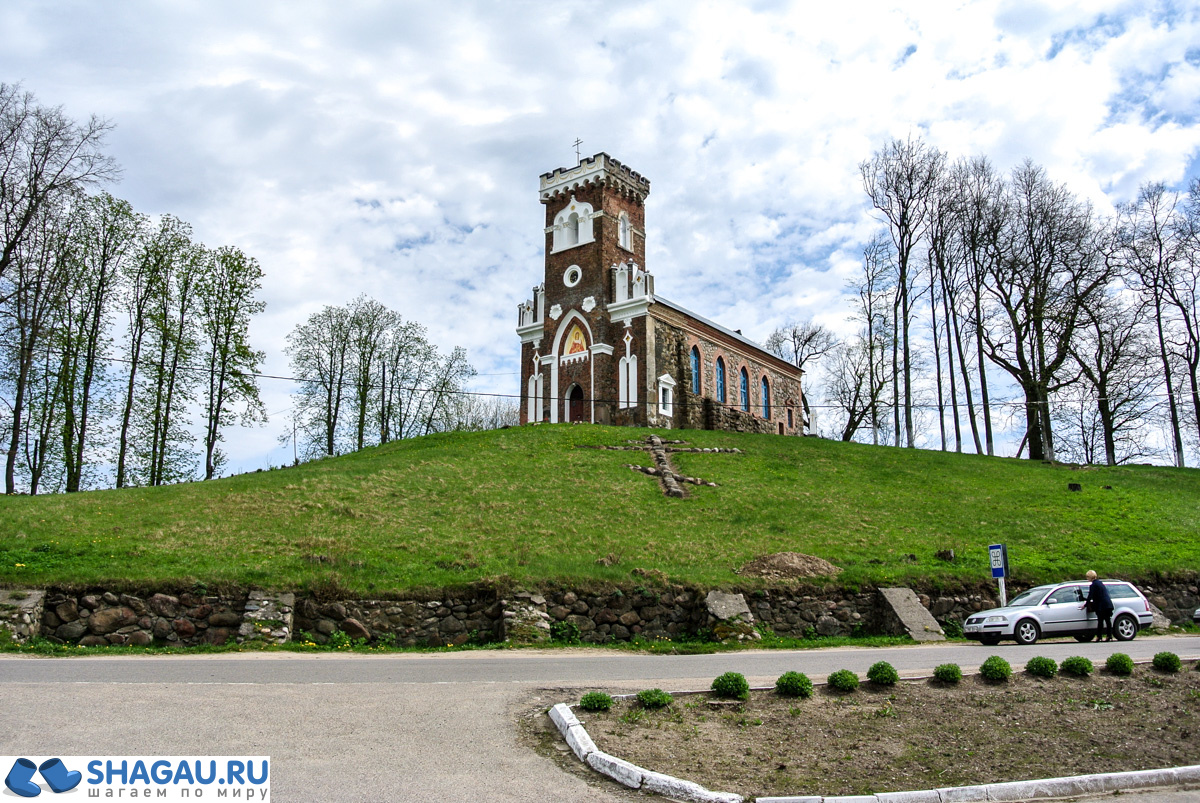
[(1027, 632), (1125, 628), (1084, 637), (990, 641)]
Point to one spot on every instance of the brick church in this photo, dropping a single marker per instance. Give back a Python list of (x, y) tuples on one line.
[(599, 345)]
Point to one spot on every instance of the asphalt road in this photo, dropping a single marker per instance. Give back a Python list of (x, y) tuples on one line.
[(401, 727)]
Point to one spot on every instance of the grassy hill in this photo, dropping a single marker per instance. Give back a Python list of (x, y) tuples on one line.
[(527, 505)]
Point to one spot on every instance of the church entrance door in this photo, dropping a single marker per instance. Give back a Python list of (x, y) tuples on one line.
[(577, 407)]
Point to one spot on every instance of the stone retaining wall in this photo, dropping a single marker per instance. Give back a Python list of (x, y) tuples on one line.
[(107, 617)]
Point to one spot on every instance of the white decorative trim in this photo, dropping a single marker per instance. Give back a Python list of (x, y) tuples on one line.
[(589, 303), (602, 348), (532, 333), (627, 310), (666, 395), (578, 271), (567, 235), (554, 363), (556, 312)]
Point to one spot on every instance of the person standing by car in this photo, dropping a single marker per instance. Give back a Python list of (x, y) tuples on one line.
[(1100, 603)]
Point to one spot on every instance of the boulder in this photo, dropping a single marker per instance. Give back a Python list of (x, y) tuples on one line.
[(225, 619), (184, 628), (109, 620), (71, 631), (164, 605), (355, 629), (140, 638), (67, 611)]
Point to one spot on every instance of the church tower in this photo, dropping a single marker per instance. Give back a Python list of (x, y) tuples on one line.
[(586, 325)]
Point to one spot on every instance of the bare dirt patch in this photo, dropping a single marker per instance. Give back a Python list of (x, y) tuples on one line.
[(788, 566), (914, 735)]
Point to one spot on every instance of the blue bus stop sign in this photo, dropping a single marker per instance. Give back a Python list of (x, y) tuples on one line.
[(999, 560)]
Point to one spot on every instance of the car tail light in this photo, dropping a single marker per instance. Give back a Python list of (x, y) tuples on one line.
[(1147, 603)]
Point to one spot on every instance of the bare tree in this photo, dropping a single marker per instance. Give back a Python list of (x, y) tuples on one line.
[(901, 180), (1151, 240), (982, 215), (873, 291), (43, 154), (1116, 359), (1052, 272), (800, 343), (320, 350)]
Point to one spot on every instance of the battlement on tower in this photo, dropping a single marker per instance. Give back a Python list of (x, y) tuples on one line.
[(598, 169)]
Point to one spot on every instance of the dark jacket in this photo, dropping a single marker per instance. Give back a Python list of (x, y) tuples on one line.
[(1098, 599)]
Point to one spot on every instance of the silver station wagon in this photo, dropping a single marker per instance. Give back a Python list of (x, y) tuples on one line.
[(1057, 610)]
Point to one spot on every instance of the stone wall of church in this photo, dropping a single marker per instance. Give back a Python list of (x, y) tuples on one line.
[(674, 337)]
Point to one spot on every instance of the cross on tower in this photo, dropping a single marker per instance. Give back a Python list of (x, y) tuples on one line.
[(578, 158)]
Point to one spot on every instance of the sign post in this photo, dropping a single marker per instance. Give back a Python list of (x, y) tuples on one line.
[(999, 557)]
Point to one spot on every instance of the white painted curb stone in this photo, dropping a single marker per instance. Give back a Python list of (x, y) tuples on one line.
[(626, 773)]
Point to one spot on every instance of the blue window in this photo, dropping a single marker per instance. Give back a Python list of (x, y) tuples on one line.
[(720, 380), (745, 391), (695, 370), (766, 398)]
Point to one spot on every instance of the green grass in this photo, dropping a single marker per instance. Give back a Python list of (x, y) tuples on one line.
[(523, 505)]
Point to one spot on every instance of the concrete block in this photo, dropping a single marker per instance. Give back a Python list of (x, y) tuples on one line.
[(963, 794), (1187, 774), (676, 789), (921, 796), (563, 717), (851, 799), (580, 743), (619, 770), (791, 799)]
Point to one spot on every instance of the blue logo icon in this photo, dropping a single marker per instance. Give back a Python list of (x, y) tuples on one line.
[(54, 771)]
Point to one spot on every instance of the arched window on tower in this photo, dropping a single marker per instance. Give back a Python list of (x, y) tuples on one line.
[(766, 398), (745, 388), (696, 370), (625, 232), (720, 380), (573, 229)]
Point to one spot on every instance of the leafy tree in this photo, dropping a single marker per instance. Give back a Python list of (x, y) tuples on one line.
[(225, 294)]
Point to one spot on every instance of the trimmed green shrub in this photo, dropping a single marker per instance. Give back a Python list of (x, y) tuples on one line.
[(1078, 666), (995, 669), (947, 673), (1167, 662), (595, 701), (731, 685), (1119, 664), (794, 684), (1042, 666), (843, 680), (883, 674), (654, 698)]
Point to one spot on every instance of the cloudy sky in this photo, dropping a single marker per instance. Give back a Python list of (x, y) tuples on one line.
[(393, 149)]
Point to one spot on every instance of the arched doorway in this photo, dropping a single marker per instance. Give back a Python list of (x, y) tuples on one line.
[(576, 405)]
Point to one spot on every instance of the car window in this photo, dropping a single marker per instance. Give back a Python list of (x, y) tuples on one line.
[(1121, 590), (1031, 597), (1067, 594)]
